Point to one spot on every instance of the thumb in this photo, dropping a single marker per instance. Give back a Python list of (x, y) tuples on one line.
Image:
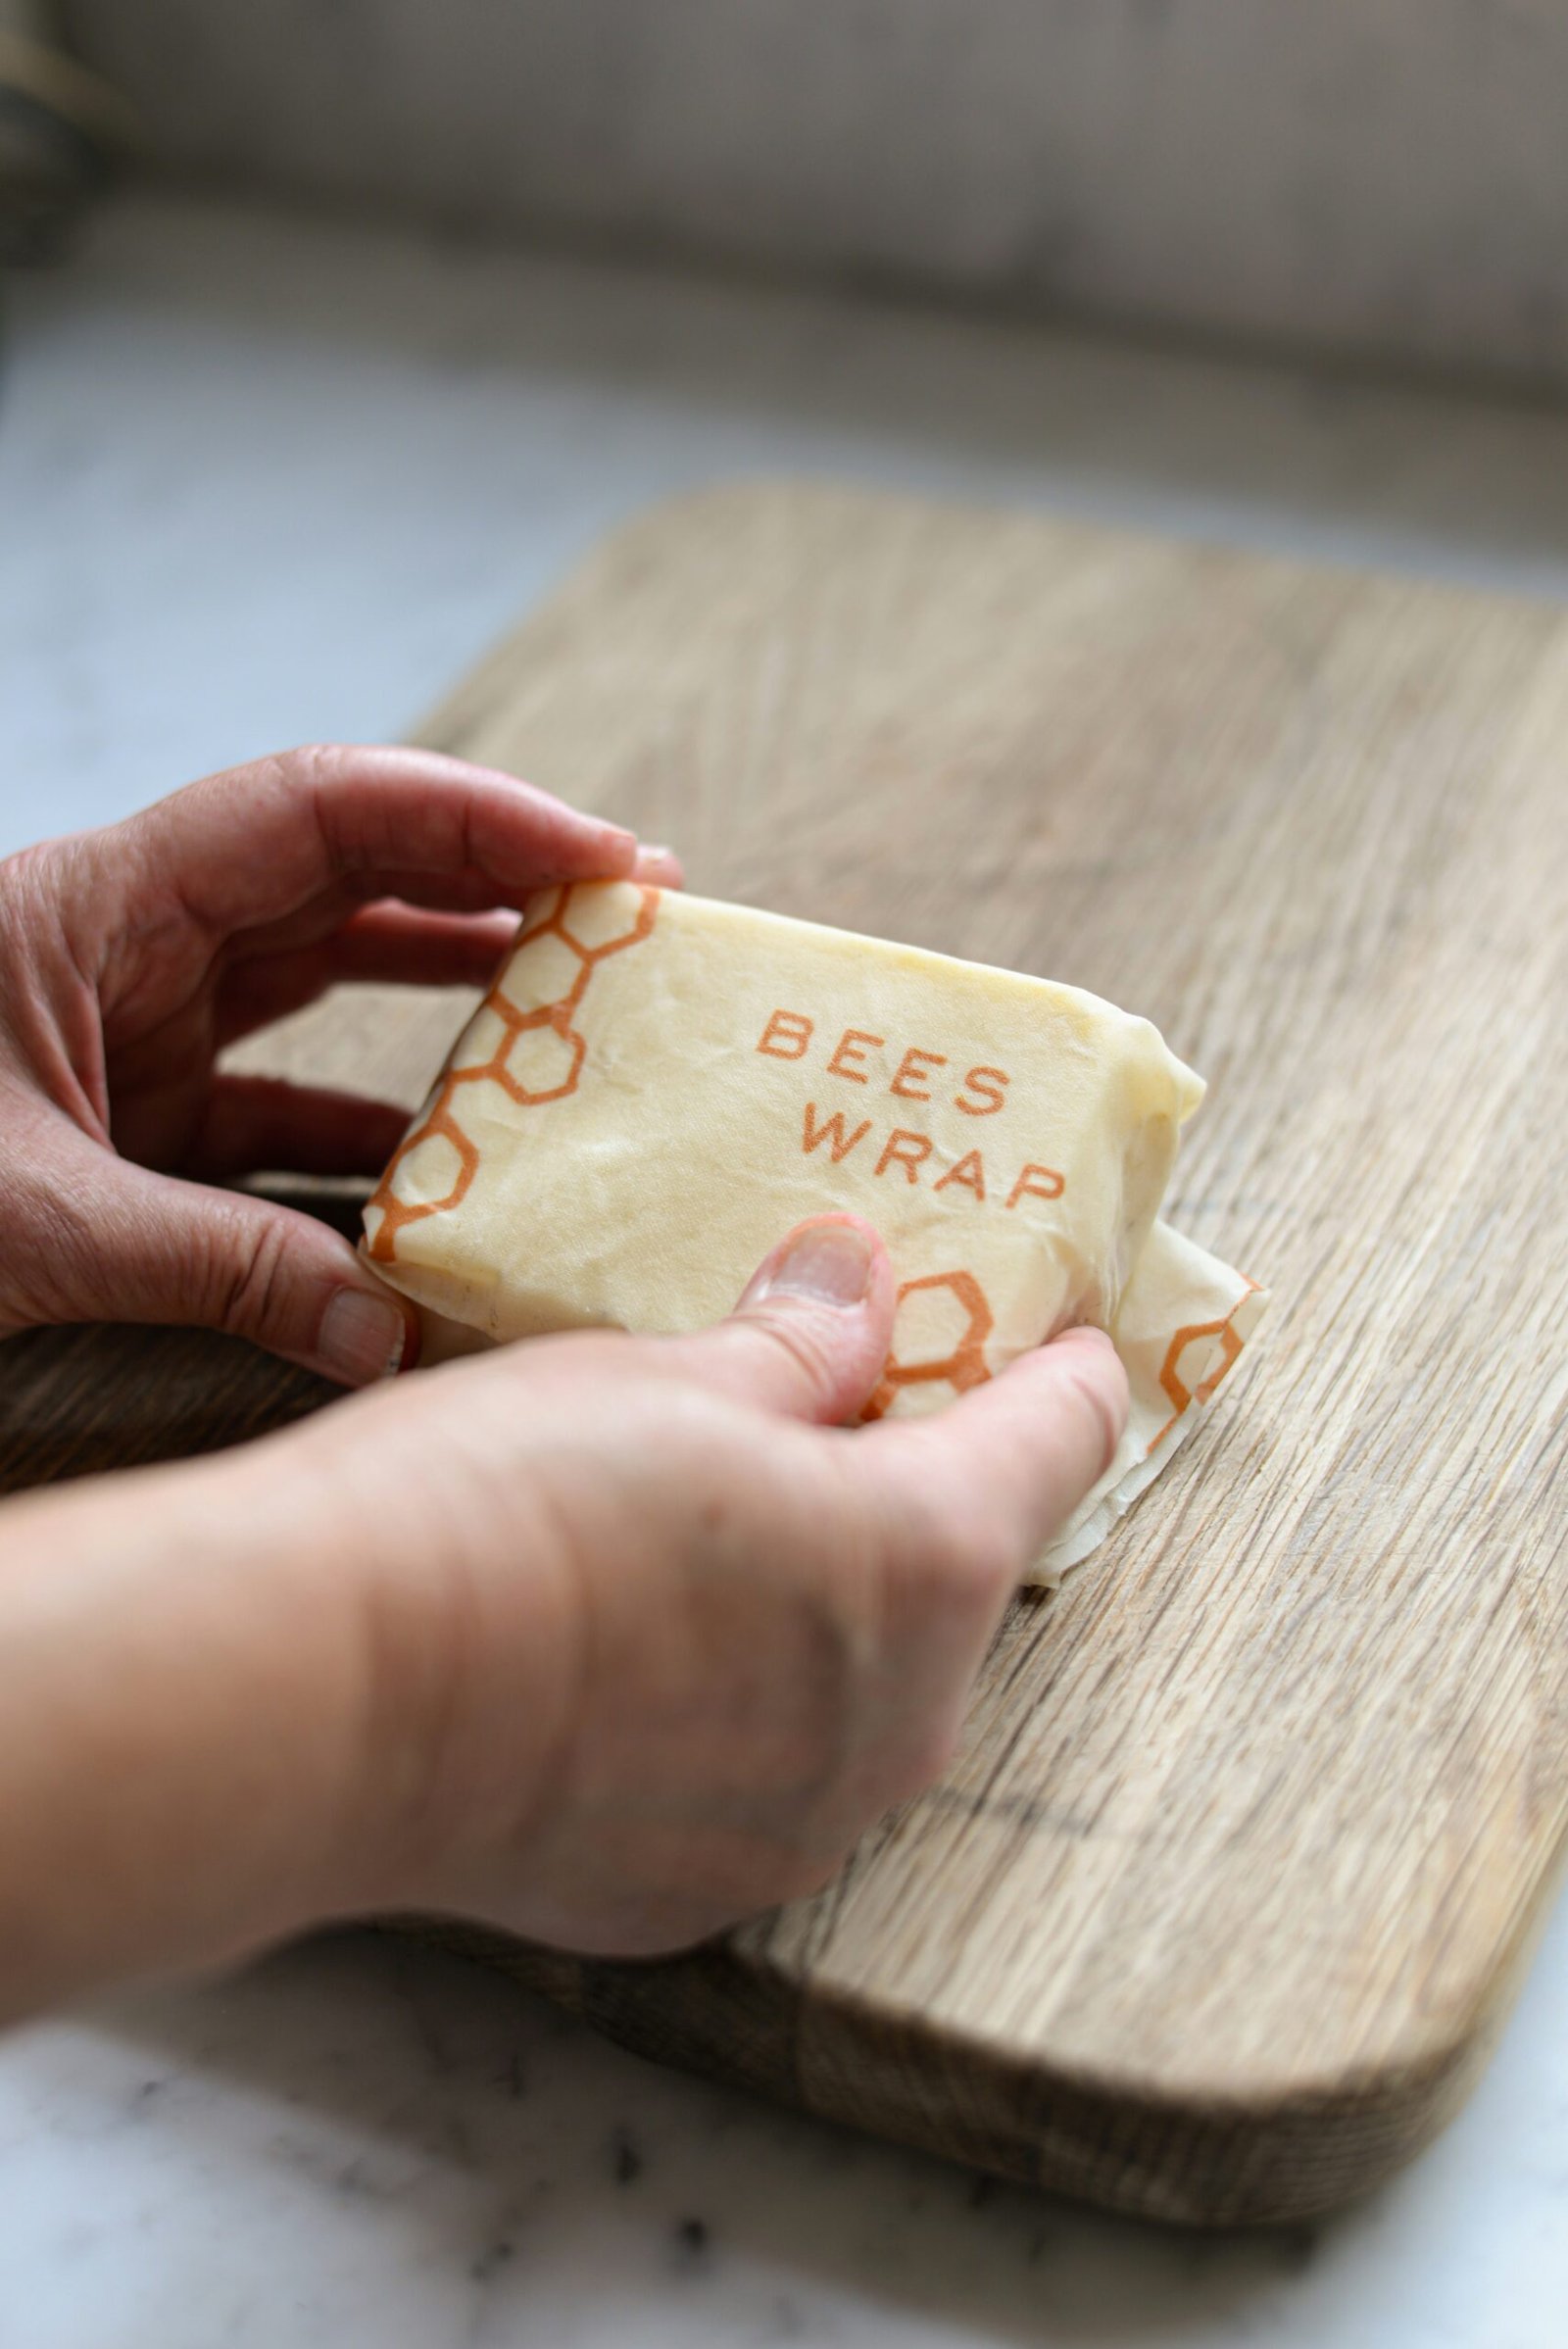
[(810, 1334), (159, 1249)]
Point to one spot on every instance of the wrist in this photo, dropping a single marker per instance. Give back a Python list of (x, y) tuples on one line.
[(177, 1672), (333, 1673)]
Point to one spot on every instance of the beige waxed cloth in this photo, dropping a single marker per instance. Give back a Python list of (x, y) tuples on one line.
[(658, 1087)]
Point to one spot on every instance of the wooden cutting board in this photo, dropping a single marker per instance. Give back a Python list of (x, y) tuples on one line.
[(1216, 1915)]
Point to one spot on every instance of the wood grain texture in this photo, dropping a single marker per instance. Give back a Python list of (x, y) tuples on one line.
[(1217, 1912)]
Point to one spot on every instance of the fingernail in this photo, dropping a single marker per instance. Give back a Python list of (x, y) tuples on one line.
[(362, 1338), (828, 1263), (658, 864)]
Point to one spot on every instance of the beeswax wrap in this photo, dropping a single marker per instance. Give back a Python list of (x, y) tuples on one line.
[(658, 1087)]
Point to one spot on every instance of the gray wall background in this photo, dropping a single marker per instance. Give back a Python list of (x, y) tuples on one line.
[(1374, 178)]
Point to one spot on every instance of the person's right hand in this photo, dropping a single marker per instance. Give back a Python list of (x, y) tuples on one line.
[(656, 1637), (607, 1641)]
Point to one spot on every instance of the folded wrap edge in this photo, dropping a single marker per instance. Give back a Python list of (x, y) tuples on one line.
[(1185, 1318)]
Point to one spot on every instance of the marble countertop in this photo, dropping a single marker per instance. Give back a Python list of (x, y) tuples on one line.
[(262, 481)]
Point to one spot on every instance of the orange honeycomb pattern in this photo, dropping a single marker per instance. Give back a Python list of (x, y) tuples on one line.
[(556, 1017), (1182, 1397), (964, 1367)]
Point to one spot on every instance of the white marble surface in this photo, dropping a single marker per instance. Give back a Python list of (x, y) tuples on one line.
[(1389, 177), (364, 2143), (260, 482)]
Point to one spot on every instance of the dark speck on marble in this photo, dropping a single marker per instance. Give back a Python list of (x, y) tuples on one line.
[(692, 2241), (358, 2180), (627, 2158), (492, 2259)]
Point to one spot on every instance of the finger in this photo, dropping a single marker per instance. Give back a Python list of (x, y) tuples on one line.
[(384, 944), (391, 941), (127, 1245), (811, 1333), (1010, 1460), (468, 896), (963, 1503), (259, 842), (660, 867), (470, 893), (256, 1123)]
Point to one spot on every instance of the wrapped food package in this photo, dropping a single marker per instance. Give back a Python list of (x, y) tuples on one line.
[(658, 1086)]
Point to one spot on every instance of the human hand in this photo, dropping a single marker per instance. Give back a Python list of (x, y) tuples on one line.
[(654, 1636), (130, 956), (606, 1641)]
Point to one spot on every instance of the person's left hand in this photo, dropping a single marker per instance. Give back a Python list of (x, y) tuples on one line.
[(130, 956)]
